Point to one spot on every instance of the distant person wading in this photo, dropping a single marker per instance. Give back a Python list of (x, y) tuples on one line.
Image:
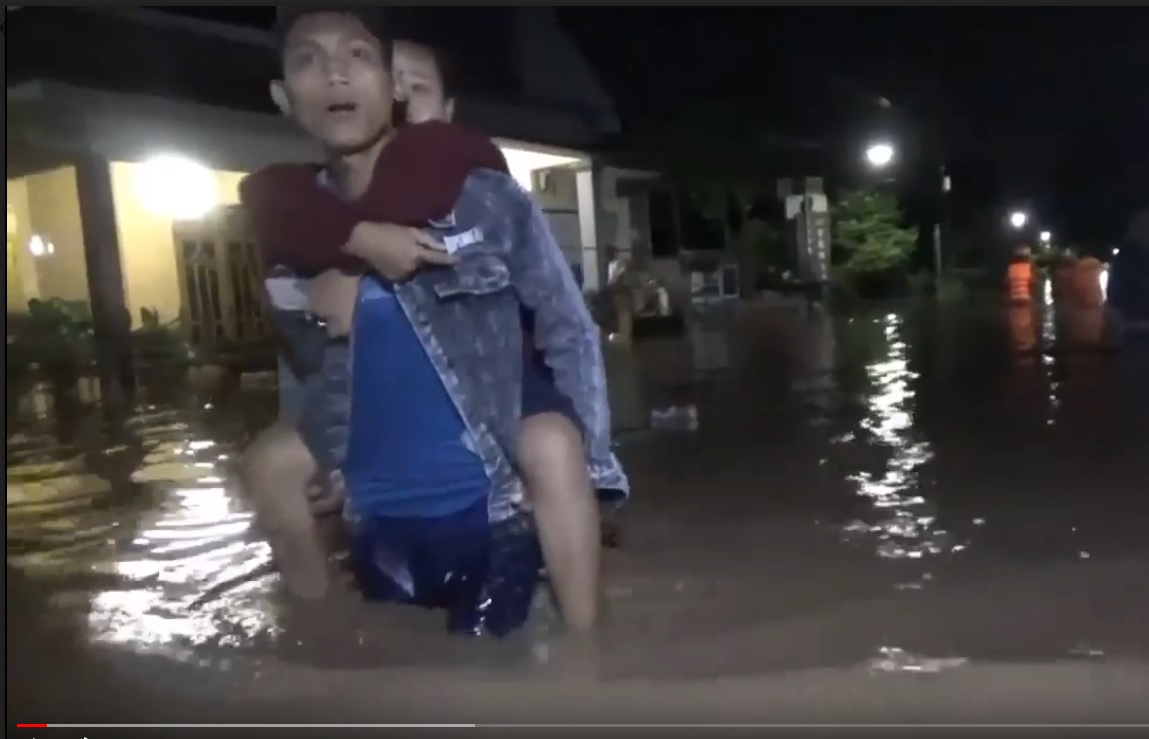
[(1022, 321)]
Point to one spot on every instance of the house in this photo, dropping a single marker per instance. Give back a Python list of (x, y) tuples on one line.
[(129, 130)]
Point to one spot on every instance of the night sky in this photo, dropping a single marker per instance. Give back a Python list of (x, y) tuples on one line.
[(1040, 108)]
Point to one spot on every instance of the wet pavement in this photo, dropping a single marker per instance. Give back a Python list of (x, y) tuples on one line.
[(888, 517)]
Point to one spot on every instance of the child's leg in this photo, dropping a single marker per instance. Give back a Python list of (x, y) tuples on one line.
[(553, 465), (277, 471)]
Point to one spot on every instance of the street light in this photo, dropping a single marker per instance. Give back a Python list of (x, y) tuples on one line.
[(1018, 219), (1045, 237), (880, 155)]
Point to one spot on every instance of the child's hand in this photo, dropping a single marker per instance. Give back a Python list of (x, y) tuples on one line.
[(332, 296), (396, 252), (327, 499)]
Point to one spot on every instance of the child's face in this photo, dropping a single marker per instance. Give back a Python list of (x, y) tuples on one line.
[(419, 83)]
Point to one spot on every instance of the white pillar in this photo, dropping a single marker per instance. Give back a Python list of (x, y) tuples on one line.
[(589, 212)]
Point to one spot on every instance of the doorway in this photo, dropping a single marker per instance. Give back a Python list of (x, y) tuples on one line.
[(219, 267)]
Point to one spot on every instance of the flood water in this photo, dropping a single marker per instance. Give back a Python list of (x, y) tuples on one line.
[(889, 517)]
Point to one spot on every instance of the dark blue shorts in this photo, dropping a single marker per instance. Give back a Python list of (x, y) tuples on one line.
[(483, 575), (540, 395)]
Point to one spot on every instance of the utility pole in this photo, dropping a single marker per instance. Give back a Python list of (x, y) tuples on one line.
[(942, 223)]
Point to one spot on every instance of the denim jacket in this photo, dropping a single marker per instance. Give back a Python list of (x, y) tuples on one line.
[(468, 319)]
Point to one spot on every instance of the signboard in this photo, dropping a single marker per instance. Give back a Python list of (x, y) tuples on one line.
[(810, 233)]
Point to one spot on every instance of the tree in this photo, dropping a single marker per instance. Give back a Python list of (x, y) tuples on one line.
[(870, 232), (727, 166), (764, 243)]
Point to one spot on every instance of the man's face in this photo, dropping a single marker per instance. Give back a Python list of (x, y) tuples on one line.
[(336, 81), (419, 82)]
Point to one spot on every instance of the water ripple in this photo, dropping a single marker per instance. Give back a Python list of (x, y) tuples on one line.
[(137, 537), (900, 519), (188, 534)]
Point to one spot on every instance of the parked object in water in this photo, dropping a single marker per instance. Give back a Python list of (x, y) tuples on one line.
[(1087, 292), (1061, 276), (675, 418), (628, 409), (1079, 300)]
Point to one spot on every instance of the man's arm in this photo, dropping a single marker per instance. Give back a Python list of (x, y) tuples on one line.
[(565, 332)]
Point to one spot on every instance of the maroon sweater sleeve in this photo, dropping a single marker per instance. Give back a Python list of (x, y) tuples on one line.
[(418, 177), (423, 171), (297, 223)]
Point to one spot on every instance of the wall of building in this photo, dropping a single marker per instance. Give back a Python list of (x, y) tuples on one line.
[(16, 294), (615, 228), (123, 128), (626, 224), (46, 205), (621, 221), (147, 244), (557, 192)]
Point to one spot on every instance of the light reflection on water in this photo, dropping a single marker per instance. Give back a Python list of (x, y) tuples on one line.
[(184, 532), (901, 519), (145, 541)]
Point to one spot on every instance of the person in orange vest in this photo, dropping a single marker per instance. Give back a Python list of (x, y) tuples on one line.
[(1022, 318), (1019, 278)]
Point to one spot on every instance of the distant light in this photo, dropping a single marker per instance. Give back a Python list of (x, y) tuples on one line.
[(1018, 219), (175, 187), (1045, 237), (38, 246), (880, 155)]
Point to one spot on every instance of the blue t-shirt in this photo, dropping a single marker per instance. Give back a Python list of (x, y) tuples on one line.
[(407, 455)]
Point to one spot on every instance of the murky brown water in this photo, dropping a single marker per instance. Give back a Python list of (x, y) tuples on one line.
[(932, 531)]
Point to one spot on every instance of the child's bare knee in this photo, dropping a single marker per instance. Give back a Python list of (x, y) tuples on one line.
[(549, 438), (277, 453), (552, 458)]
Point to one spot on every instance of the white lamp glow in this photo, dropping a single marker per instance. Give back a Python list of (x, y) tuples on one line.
[(880, 155), (175, 187), (38, 246), (1018, 219), (1045, 237)]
